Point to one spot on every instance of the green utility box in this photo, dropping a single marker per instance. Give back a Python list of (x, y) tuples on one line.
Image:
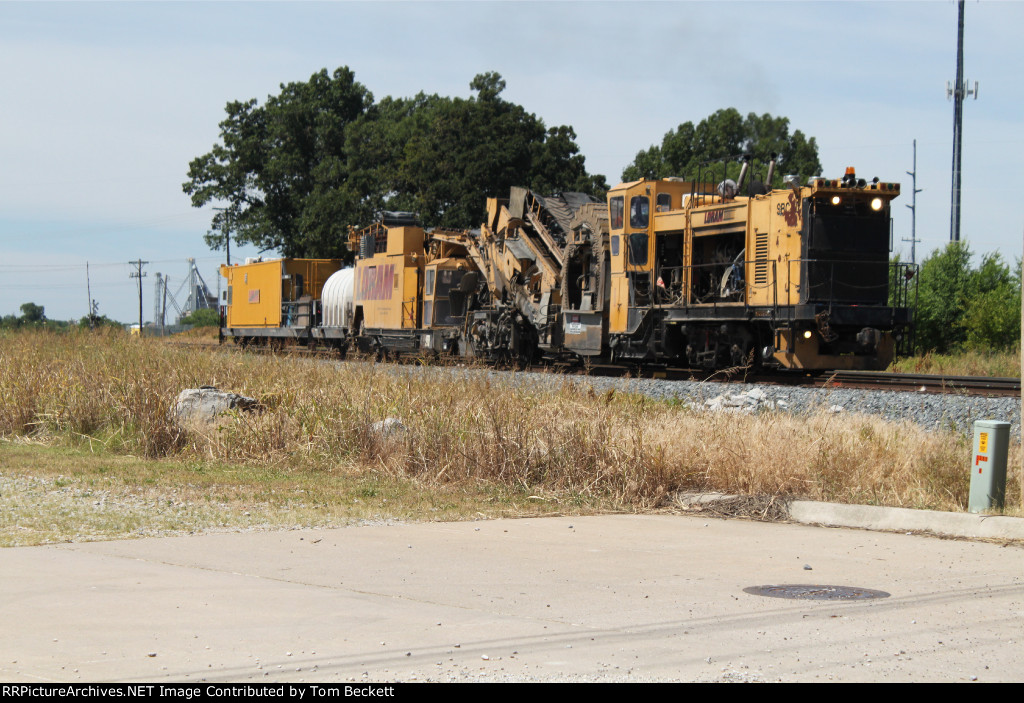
[(988, 465)]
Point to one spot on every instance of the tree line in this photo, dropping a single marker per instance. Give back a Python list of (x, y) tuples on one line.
[(293, 173), (33, 316)]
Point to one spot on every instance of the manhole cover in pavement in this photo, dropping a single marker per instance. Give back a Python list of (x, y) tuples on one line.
[(811, 592)]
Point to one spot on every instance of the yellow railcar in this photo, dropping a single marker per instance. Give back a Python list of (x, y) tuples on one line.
[(275, 298), (412, 288)]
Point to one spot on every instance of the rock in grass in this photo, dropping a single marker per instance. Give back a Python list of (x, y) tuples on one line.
[(389, 427), (203, 405)]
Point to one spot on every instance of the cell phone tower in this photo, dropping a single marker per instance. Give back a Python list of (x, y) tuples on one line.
[(957, 93)]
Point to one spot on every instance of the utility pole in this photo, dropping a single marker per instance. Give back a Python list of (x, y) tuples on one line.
[(88, 291), (193, 290), (958, 92), (139, 275), (226, 224), (156, 303), (913, 210)]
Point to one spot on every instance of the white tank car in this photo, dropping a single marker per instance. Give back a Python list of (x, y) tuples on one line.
[(336, 299)]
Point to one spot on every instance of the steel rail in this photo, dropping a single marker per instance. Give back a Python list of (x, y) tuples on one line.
[(862, 380)]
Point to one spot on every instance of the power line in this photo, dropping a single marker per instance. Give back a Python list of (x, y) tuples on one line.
[(60, 229), (62, 286), (75, 267)]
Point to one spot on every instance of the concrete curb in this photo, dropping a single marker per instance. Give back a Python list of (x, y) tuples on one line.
[(873, 517), (869, 517)]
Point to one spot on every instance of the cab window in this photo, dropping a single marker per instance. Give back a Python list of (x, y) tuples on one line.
[(638, 248), (429, 283), (664, 202), (446, 280), (615, 212), (639, 212)]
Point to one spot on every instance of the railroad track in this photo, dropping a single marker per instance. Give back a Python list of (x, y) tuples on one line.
[(864, 380), (968, 385)]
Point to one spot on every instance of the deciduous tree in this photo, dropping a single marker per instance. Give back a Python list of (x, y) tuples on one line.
[(296, 172), (689, 150), (204, 317), (32, 314), (281, 168), (963, 308)]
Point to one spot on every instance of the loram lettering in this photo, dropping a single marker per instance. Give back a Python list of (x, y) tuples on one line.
[(376, 282)]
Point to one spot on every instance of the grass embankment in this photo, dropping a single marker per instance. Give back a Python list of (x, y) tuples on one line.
[(89, 451), (999, 364)]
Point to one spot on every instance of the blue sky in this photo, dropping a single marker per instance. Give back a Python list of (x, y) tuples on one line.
[(104, 104)]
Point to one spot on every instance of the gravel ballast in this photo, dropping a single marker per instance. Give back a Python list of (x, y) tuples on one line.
[(933, 411)]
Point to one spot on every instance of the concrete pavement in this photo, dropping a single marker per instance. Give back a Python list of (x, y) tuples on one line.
[(608, 598)]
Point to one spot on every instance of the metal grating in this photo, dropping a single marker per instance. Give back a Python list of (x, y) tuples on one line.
[(761, 258), (813, 592)]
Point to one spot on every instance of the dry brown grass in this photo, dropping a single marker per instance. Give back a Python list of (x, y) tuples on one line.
[(196, 335), (566, 447)]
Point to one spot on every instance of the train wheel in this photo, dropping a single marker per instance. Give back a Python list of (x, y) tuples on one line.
[(527, 352)]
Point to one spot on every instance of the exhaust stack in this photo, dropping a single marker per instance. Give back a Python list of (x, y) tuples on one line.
[(743, 173), (771, 172)]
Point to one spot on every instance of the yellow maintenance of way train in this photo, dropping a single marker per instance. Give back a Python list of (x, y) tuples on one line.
[(664, 271)]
